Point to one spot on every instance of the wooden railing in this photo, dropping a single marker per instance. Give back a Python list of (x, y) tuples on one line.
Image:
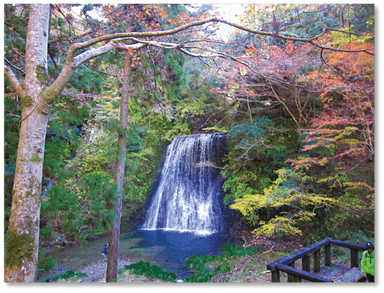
[(286, 264)]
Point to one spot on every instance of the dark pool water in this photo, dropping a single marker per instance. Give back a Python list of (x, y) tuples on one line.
[(181, 245)]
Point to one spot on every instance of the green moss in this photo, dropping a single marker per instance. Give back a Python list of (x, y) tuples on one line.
[(49, 92), (26, 101), (35, 158), (48, 95), (41, 74), (18, 247)]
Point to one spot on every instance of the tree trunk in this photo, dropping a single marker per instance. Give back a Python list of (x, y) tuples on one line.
[(22, 239), (120, 171)]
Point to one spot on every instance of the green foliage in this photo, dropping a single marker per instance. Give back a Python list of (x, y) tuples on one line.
[(61, 213), (217, 128), (74, 212), (242, 183), (284, 208), (344, 36), (239, 250), (251, 131), (255, 151), (11, 139), (64, 133), (98, 191), (207, 266), (151, 271), (199, 264), (45, 263), (179, 128), (78, 204)]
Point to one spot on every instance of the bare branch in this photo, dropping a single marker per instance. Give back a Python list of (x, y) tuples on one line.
[(63, 14), (14, 66), (329, 66), (94, 41), (14, 81), (92, 53), (100, 71), (286, 107), (310, 40)]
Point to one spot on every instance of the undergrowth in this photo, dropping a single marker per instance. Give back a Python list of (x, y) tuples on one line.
[(207, 266), (150, 271)]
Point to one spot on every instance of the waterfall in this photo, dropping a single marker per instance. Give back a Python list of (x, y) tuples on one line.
[(189, 191)]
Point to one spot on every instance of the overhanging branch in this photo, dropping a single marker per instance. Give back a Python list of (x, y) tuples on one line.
[(72, 61)]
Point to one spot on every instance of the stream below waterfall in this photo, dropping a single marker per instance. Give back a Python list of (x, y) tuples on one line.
[(167, 249)]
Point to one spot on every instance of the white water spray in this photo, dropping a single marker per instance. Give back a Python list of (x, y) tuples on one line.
[(189, 192)]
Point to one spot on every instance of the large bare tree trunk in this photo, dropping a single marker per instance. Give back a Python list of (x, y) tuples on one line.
[(120, 171), (22, 239)]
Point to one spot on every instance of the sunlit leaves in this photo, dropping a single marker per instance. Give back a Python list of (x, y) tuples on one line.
[(294, 208)]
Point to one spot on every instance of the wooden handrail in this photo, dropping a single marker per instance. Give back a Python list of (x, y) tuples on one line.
[(347, 244), (302, 274), (286, 263), (299, 254)]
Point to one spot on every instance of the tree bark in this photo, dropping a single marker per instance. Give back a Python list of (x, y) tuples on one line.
[(22, 239), (120, 171)]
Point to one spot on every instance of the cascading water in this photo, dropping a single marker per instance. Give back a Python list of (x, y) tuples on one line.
[(189, 192)]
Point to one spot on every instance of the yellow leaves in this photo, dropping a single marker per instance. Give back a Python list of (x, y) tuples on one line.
[(299, 207), (278, 225), (367, 106), (109, 107), (249, 203), (242, 72)]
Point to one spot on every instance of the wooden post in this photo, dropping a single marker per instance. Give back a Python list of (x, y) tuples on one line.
[(316, 265), (328, 254), (275, 276), (296, 279), (306, 265), (291, 277), (354, 258)]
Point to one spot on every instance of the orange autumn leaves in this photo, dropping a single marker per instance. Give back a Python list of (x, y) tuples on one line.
[(346, 123)]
